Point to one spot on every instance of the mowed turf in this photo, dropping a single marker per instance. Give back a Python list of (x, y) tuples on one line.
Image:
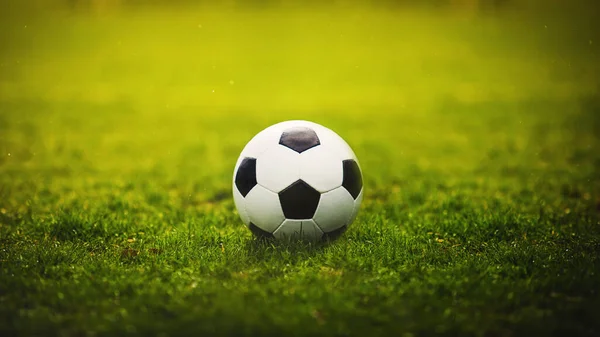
[(477, 136)]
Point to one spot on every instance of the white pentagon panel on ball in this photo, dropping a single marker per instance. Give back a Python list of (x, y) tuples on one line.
[(239, 202), (310, 230), (277, 168), (334, 210), (259, 144), (356, 207), (298, 229), (263, 209), (291, 124), (321, 168)]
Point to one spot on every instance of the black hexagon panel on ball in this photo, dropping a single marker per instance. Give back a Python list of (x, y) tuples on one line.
[(299, 139), (352, 178), (245, 179), (299, 200)]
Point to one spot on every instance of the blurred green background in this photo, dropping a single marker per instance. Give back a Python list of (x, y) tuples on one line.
[(145, 74), (476, 124)]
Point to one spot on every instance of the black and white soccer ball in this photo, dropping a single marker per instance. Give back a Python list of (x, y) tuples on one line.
[(297, 180)]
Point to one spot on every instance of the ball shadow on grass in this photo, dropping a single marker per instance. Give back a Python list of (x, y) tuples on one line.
[(265, 245)]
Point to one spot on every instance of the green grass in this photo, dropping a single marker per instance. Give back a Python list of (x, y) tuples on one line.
[(478, 139)]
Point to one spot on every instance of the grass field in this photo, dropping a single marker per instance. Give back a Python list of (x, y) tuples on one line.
[(477, 135)]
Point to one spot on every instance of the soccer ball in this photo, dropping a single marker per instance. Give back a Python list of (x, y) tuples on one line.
[(297, 180)]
